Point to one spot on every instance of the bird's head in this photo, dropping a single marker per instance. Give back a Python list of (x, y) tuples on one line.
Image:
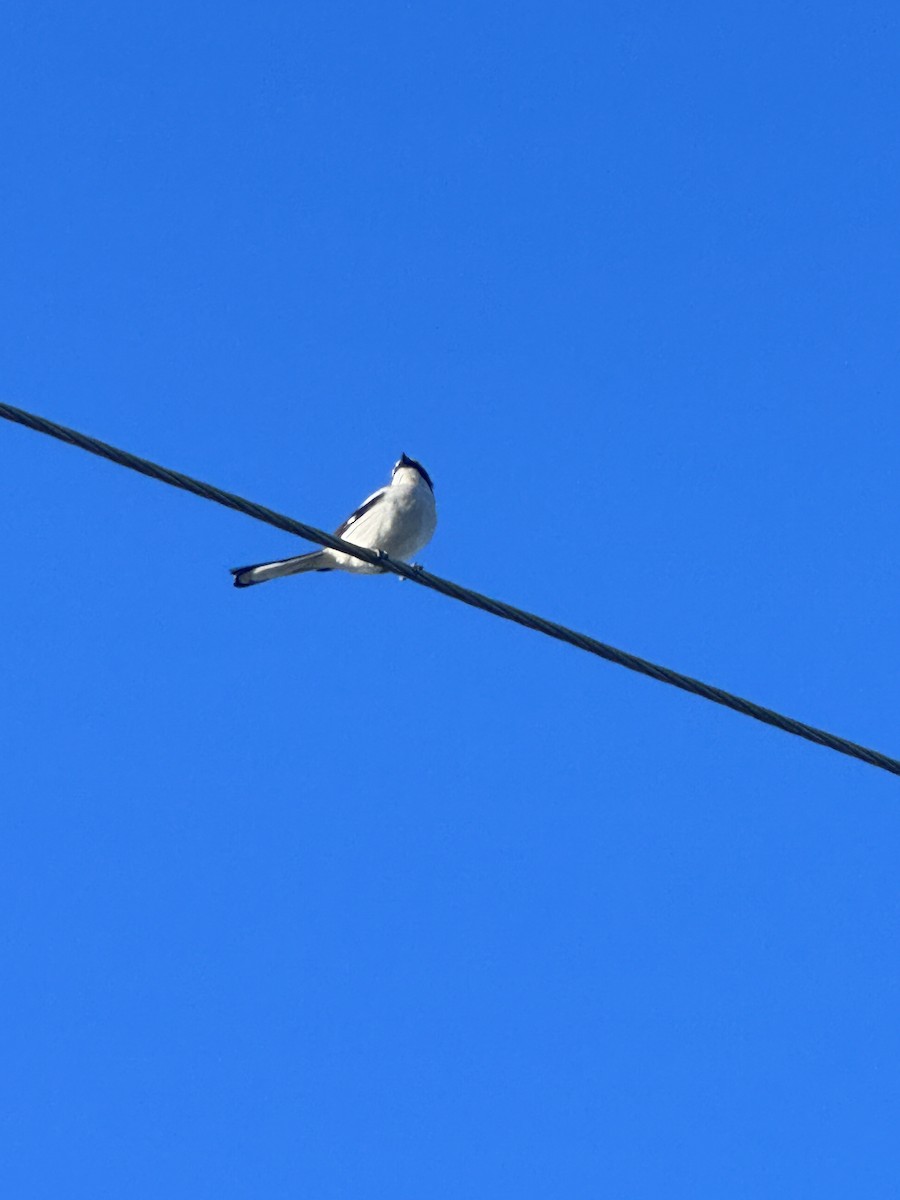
[(406, 469)]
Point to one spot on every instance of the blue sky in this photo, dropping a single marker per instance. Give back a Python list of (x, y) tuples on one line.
[(337, 888)]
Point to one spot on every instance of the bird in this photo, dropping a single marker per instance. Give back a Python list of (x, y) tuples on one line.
[(399, 519)]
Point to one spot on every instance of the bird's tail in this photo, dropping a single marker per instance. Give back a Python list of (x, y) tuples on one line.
[(261, 572)]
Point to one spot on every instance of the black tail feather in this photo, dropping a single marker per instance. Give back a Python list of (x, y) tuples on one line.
[(237, 572)]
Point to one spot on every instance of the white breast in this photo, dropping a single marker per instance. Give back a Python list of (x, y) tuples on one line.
[(400, 524)]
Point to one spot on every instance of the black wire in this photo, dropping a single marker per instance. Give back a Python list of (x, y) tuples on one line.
[(453, 590)]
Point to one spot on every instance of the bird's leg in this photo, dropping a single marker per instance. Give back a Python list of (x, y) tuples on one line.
[(417, 567)]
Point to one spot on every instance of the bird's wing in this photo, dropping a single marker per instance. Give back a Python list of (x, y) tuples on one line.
[(366, 506)]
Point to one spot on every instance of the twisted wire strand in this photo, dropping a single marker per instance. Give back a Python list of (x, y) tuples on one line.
[(447, 588)]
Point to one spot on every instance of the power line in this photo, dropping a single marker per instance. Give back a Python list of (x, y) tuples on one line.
[(453, 590)]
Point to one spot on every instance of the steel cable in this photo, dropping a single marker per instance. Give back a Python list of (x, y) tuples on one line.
[(497, 607)]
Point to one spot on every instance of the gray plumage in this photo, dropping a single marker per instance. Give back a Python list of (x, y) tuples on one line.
[(399, 519)]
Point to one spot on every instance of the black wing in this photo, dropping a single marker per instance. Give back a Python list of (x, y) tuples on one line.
[(366, 505)]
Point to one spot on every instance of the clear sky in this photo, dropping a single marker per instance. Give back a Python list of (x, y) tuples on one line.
[(334, 888)]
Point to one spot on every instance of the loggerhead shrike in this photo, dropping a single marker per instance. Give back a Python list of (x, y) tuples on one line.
[(398, 519)]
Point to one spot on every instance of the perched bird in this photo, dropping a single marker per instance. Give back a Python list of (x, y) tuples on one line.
[(398, 519)]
